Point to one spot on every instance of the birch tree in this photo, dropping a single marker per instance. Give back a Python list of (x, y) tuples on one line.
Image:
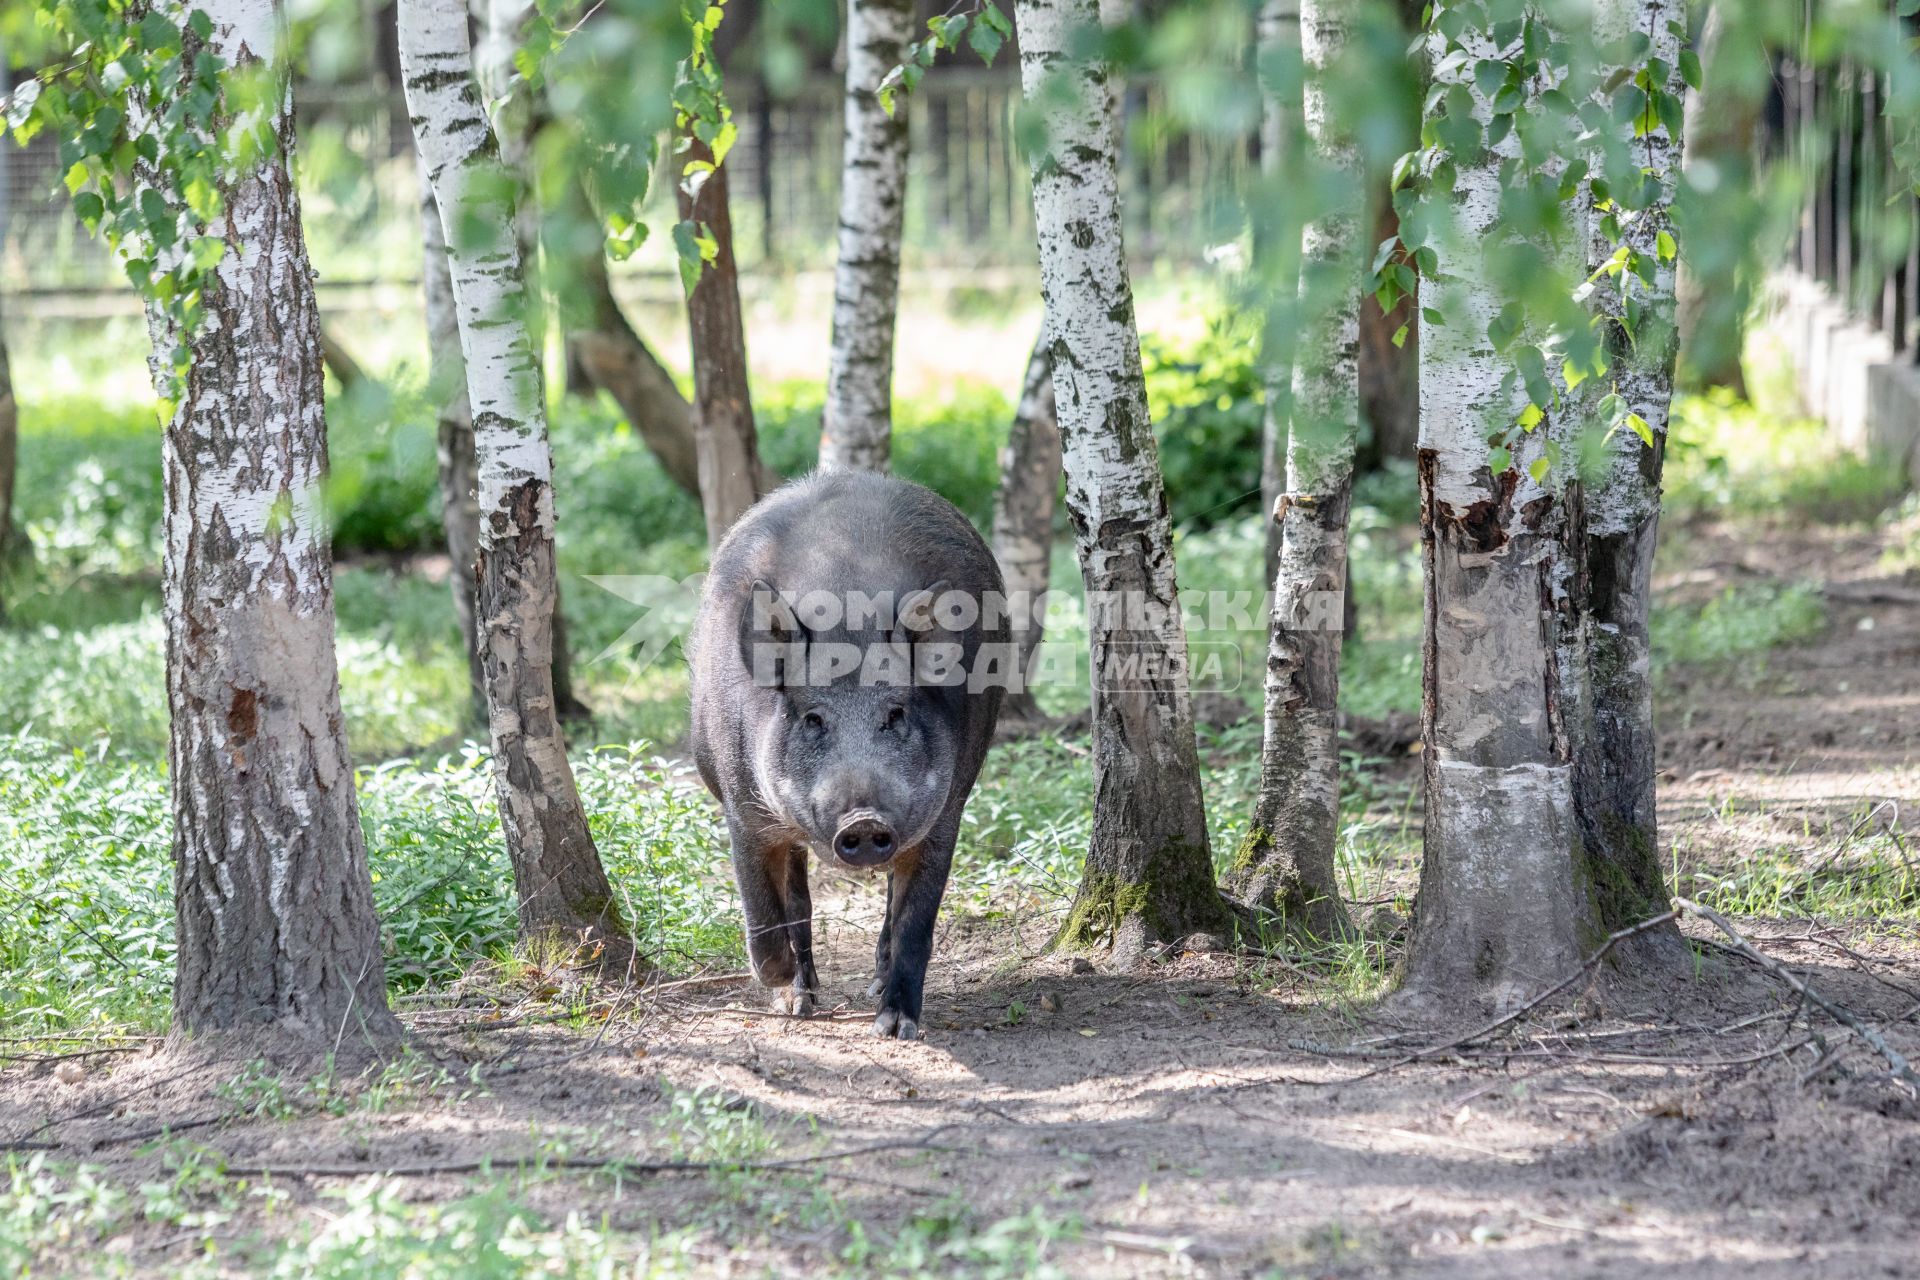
[(274, 911), (1287, 862), (1149, 874), (1632, 258), (1023, 509), (562, 888), (1503, 906), (857, 428)]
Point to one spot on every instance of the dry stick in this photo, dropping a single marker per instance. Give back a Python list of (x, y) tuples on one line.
[(1902, 1072), (596, 1163), (1586, 967)]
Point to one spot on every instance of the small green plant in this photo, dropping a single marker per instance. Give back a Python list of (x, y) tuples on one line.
[(258, 1092)]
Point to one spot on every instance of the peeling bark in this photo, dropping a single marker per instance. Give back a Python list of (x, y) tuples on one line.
[(1149, 874), (727, 446), (857, 428), (1023, 517), (274, 915), (1287, 863), (1616, 747), (563, 891), (1503, 907)]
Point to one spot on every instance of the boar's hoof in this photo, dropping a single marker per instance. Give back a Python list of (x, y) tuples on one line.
[(893, 1024), (875, 987), (793, 1000)]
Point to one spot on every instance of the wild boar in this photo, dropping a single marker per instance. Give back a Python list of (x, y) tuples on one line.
[(846, 679)]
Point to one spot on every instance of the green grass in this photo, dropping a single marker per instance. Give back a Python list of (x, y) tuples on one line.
[(373, 1227), (1730, 458)]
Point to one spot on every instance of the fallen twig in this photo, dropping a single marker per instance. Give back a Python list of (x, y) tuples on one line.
[(590, 1164), (1902, 1071), (1586, 966)]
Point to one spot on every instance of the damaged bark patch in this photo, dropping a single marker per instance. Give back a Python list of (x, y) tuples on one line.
[(243, 716)]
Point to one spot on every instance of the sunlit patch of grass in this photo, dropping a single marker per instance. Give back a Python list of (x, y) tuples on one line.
[(1739, 622), (86, 903), (1727, 457), (1867, 872)]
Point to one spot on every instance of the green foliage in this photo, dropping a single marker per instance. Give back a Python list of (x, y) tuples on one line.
[(704, 133), (984, 28), (1208, 407), (86, 904), (152, 129), (1725, 457), (1739, 622)]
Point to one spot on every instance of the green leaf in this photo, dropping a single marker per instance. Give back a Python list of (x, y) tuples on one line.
[(1530, 417), (1666, 247), (1538, 469), (686, 243), (986, 42), (1400, 336), (88, 207), (1638, 425), (1499, 460)]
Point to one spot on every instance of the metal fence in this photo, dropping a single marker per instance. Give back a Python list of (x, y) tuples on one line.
[(968, 201), (1859, 230)]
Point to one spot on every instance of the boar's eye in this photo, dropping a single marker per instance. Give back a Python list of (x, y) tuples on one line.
[(814, 720), (896, 716)]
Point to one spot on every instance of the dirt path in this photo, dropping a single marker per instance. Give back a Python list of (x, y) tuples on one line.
[(1216, 1116)]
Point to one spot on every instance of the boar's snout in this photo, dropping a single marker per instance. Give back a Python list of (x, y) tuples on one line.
[(864, 840)]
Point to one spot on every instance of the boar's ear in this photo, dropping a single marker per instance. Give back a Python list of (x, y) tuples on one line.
[(916, 612), (771, 637)]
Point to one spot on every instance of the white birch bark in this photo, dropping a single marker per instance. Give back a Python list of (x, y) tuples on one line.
[(561, 885), (1287, 863), (1503, 907), (1149, 876), (1615, 784), (857, 427), (273, 906)]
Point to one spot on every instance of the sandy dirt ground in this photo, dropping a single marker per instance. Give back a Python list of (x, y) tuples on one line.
[(1224, 1115)]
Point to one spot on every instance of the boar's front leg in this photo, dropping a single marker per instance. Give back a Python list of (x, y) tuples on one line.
[(772, 874), (914, 892)]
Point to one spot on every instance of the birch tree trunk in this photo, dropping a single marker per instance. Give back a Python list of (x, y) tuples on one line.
[(1278, 248), (728, 448), (1503, 907), (274, 915), (459, 486), (1614, 785), (1149, 873), (1023, 517), (562, 888), (1287, 862), (609, 352), (857, 429)]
